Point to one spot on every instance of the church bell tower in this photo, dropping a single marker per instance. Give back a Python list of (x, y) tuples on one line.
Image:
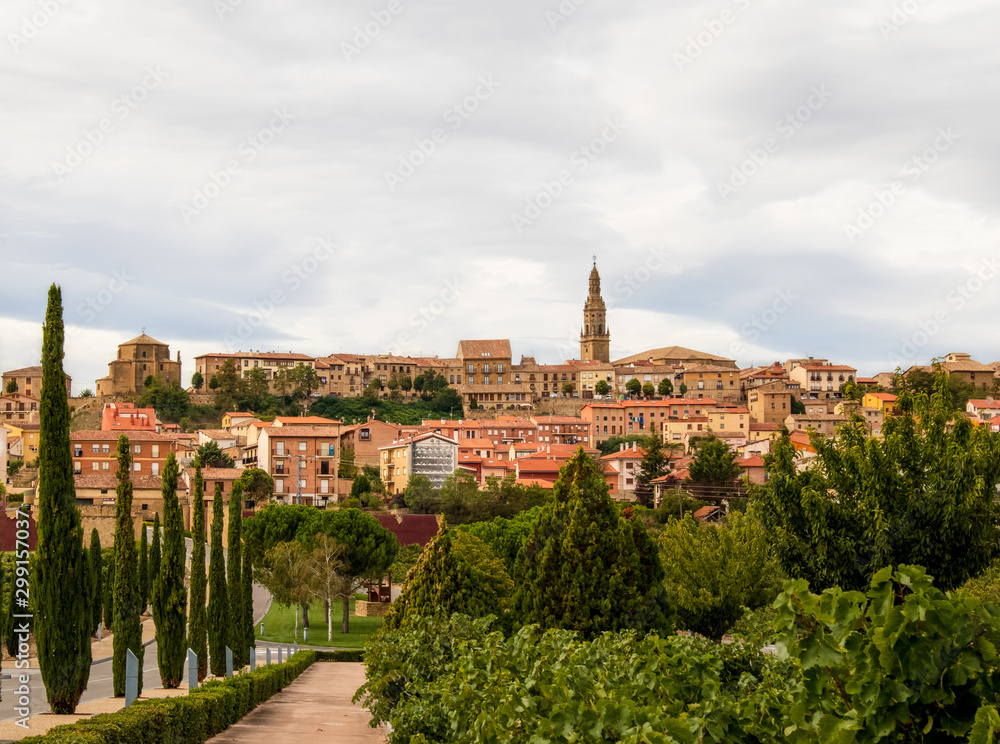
[(595, 338)]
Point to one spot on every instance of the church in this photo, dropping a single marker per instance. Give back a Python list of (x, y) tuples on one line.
[(595, 336)]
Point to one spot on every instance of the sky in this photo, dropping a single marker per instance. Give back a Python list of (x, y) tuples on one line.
[(758, 179)]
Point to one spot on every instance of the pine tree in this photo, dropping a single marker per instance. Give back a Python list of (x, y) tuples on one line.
[(234, 579), (218, 599), (197, 629), (154, 558), (127, 607), (585, 568), (169, 592), (63, 608), (96, 578), (143, 569), (247, 582), (108, 595)]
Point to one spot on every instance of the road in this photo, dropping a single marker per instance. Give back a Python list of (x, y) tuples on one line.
[(100, 684)]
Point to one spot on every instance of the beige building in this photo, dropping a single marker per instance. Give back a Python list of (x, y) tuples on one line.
[(16, 407), (303, 456), (138, 359), (771, 402), (965, 368), (716, 381), (678, 356), (823, 423), (270, 361), (595, 336), (29, 381), (818, 379), (431, 455)]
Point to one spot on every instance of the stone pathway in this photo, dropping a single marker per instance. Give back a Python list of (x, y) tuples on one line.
[(314, 708)]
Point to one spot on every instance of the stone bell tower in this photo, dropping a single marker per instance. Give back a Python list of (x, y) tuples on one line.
[(595, 338)]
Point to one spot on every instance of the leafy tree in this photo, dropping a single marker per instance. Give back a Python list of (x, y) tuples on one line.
[(197, 613), (154, 557), (128, 604), (227, 388), (96, 579), (284, 574), (306, 381), (197, 381), (360, 487), (851, 391), (446, 400), (213, 383), (420, 495), (601, 388), (257, 485), (405, 383), (172, 402), (393, 385), (143, 569), (324, 568), (665, 388), (347, 468), (445, 580), (586, 568), (473, 405), (62, 603), (633, 387), (797, 407), (148, 382), (234, 576), (86, 393), (614, 443), (683, 388), (655, 463), (714, 472), (211, 456), (406, 558), (567, 388), (715, 572), (254, 389), (218, 597), (459, 495), (924, 493), (169, 592), (372, 389), (11, 386), (648, 390), (505, 537)]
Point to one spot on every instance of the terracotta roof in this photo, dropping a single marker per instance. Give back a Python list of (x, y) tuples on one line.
[(709, 368), (24, 372), (751, 462), (112, 436), (828, 368), (560, 420), (669, 352), (217, 433), (539, 464), (706, 512), (966, 365), (16, 396), (304, 420), (143, 339), (762, 427), (485, 349), (410, 529), (505, 464), (239, 414), (985, 403), (291, 432), (110, 481), (887, 397), (627, 454)]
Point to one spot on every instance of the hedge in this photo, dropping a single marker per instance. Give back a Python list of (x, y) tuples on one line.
[(191, 719), (344, 655)]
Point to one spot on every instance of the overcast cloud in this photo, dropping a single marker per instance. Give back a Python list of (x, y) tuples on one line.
[(759, 179)]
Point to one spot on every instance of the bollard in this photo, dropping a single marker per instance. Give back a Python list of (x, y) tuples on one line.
[(296, 647), (99, 625), (279, 654), (229, 662), (268, 656), (192, 670), (253, 657), (305, 637), (131, 677), (262, 630)]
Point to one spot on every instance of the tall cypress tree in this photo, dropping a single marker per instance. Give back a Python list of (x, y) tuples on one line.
[(9, 639), (128, 607), (197, 617), (96, 578), (154, 557), (108, 595), (62, 603), (234, 578), (218, 598), (247, 621), (170, 594), (143, 569)]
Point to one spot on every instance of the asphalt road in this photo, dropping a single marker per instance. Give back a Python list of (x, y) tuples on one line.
[(100, 684)]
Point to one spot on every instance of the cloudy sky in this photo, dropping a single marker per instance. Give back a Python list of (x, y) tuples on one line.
[(759, 179)]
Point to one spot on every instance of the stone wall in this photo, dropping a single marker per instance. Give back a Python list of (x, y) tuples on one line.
[(370, 609)]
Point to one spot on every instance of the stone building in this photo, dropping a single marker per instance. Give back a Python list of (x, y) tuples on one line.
[(29, 381), (595, 337), (138, 359)]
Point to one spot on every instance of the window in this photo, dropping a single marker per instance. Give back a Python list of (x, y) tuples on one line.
[(499, 379), (471, 369), (97, 465), (156, 450), (137, 449), (324, 486), (486, 380), (155, 468), (470, 379), (279, 448), (499, 368), (95, 448), (105, 449), (105, 465), (486, 368), (137, 466), (77, 450), (279, 485), (302, 446), (302, 482)]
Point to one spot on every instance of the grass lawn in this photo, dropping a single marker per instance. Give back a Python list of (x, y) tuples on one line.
[(279, 626)]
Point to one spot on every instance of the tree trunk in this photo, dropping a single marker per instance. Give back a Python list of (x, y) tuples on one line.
[(305, 615), (347, 614), (296, 613), (329, 622)]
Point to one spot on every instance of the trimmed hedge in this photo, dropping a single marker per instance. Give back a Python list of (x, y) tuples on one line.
[(344, 655), (191, 719)]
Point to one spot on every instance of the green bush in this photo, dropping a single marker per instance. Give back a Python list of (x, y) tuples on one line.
[(191, 719), (356, 655)]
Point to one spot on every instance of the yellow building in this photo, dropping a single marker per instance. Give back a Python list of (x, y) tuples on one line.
[(884, 402), (29, 433)]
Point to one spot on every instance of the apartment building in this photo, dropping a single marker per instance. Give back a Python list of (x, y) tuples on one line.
[(818, 379), (770, 402), (651, 373), (303, 456), (29, 381), (716, 381), (365, 439), (638, 416), (25, 436), (431, 455), (963, 367), (884, 402), (96, 451), (983, 409), (270, 361), (626, 462), (127, 417), (18, 407), (823, 423)]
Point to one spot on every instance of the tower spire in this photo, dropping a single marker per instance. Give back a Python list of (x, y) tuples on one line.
[(595, 338)]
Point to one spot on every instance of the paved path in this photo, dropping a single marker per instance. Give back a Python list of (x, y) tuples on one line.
[(314, 708)]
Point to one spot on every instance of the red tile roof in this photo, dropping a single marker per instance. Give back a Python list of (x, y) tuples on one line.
[(112, 436), (410, 529)]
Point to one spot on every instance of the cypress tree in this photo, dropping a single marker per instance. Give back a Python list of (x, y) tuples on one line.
[(127, 607), (197, 618), (62, 603), (11, 606), (247, 623), (96, 579), (143, 569), (218, 599), (234, 579), (169, 592), (108, 595), (154, 558), (585, 568)]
